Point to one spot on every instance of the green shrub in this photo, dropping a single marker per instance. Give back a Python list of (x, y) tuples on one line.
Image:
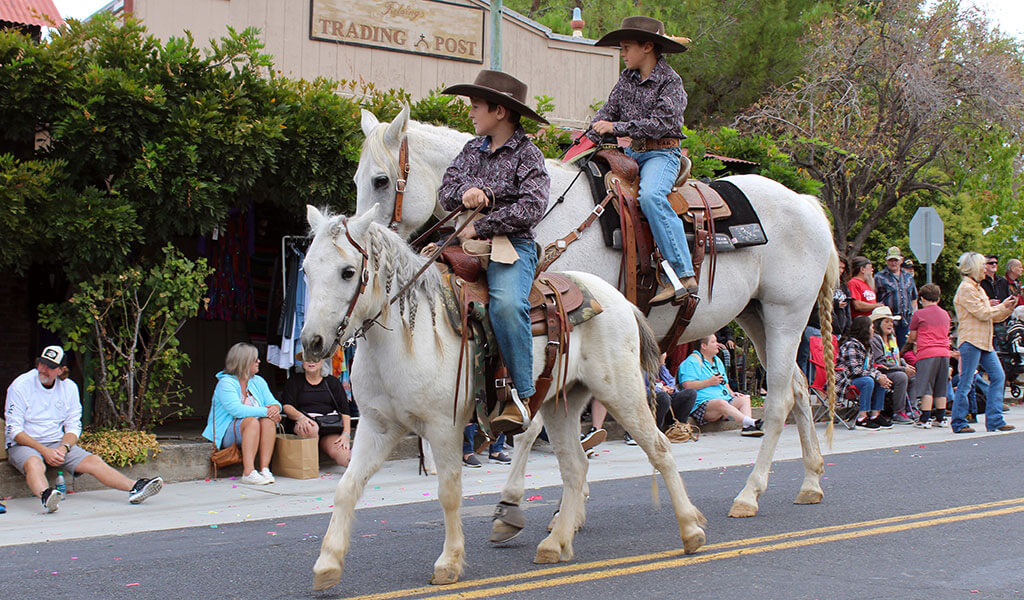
[(120, 447)]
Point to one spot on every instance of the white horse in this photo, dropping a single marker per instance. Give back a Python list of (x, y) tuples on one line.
[(769, 289), (406, 381)]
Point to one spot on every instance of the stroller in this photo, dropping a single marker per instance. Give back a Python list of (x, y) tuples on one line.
[(1011, 354)]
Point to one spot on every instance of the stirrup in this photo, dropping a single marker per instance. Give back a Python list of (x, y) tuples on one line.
[(522, 408)]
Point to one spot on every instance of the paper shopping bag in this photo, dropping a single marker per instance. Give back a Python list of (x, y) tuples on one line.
[(296, 457)]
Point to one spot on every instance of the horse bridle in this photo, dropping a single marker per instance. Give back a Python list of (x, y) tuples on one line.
[(364, 274), (403, 178)]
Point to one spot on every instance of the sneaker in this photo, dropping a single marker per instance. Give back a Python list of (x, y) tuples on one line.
[(51, 499), (254, 478), (883, 421), (144, 488), (923, 424), (867, 424), (500, 457), (901, 418), (593, 438), (265, 472), (471, 462), (937, 424), (1006, 427), (628, 439), (753, 430)]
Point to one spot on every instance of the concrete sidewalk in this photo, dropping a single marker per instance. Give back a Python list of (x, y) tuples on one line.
[(211, 503)]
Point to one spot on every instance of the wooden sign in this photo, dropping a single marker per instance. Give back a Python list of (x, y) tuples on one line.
[(429, 27)]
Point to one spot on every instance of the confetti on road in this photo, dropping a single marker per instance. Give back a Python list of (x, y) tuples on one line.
[(369, 535), (74, 558), (830, 464), (131, 584), (896, 451), (123, 559), (271, 533), (280, 524), (211, 527), (532, 498)]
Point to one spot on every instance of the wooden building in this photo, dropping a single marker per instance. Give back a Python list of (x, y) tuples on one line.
[(417, 45)]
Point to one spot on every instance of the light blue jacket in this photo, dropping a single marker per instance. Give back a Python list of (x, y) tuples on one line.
[(227, 403)]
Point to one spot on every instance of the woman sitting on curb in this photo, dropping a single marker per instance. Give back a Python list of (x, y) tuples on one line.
[(320, 396), (244, 412)]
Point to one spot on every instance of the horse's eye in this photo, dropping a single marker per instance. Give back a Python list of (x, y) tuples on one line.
[(348, 273), (380, 182)]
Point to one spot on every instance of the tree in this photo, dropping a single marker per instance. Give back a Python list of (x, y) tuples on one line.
[(887, 90)]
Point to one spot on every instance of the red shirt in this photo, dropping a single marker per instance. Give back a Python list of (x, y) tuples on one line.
[(932, 326), (860, 290)]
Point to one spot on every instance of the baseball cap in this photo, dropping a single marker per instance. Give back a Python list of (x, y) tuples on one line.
[(52, 356), (907, 264), (894, 252)]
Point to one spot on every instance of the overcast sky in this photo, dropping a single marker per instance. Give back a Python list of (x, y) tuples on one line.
[(1007, 14)]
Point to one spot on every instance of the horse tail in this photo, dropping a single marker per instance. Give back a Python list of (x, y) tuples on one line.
[(650, 355), (828, 286)]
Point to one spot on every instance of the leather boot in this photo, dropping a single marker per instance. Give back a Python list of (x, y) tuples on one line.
[(514, 417), (690, 284)]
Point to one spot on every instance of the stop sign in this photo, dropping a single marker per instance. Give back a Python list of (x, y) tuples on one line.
[(926, 234)]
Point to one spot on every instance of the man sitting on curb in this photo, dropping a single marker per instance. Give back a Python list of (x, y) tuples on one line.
[(44, 420), (704, 372)]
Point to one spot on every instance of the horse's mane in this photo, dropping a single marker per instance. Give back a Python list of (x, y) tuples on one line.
[(393, 263)]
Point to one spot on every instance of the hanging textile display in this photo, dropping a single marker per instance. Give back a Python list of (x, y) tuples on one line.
[(229, 296)]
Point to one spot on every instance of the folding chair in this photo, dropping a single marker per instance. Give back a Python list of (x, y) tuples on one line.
[(847, 402)]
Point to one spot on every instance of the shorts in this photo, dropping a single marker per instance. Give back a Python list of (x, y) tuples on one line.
[(698, 413), (18, 455), (233, 435), (932, 375)]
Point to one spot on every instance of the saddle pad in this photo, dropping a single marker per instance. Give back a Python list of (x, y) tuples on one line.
[(743, 226), (584, 305)]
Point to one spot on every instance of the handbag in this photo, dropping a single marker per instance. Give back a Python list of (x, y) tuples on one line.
[(681, 432), (332, 423), (223, 457)]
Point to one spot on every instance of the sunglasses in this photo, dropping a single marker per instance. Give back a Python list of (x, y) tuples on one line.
[(993, 263)]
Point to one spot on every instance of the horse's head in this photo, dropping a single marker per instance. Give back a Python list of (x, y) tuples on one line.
[(338, 273), (378, 175)]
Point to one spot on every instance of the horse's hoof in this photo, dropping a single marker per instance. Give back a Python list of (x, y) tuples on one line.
[(694, 541), (546, 556), (742, 509), (444, 576), (503, 532), (326, 578), (808, 497)]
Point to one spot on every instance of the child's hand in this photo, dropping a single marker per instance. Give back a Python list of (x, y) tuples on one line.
[(474, 197)]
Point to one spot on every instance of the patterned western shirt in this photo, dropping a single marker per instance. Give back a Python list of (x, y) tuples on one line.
[(513, 177), (975, 315), (651, 108), (852, 363), (897, 291)]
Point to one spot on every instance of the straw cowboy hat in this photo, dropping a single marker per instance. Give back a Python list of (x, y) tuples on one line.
[(499, 88), (883, 312), (644, 29)]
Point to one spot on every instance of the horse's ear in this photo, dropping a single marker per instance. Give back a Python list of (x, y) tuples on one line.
[(397, 128), (357, 226), (369, 121), (314, 216)]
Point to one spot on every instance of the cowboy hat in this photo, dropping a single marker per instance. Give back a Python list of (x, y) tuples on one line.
[(644, 29), (883, 312), (499, 88)]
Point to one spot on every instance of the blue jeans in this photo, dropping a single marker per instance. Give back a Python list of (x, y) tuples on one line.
[(972, 396), (467, 441), (901, 328), (509, 312), (872, 395), (658, 171), (803, 352), (970, 358)]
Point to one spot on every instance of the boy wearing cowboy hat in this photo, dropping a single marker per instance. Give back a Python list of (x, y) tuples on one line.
[(647, 106), (503, 170)]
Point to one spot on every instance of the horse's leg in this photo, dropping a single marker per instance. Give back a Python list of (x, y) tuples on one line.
[(630, 409), (372, 446), (447, 446), (814, 463), (563, 431), (780, 344), (579, 397), (509, 518)]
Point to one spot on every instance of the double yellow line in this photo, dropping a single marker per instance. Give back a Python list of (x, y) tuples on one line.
[(630, 565)]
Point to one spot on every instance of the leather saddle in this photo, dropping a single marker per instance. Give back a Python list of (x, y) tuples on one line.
[(686, 197)]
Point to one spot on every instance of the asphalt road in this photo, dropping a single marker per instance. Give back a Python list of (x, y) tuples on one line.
[(937, 521)]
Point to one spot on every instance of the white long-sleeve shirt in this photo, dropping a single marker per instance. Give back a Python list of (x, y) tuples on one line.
[(45, 414)]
